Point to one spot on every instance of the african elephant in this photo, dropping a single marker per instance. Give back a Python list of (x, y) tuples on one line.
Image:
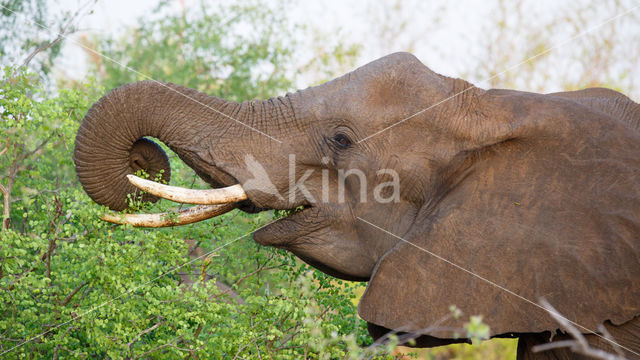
[(500, 198)]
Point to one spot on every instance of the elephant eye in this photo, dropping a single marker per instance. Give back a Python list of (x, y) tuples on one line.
[(342, 141)]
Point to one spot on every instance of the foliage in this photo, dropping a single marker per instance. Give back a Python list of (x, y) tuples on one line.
[(203, 48)]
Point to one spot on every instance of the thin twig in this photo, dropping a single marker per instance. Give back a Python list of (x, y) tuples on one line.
[(52, 237), (13, 173), (579, 345), (41, 49), (195, 337), (36, 149), (83, 354), (555, 345), (237, 355), (140, 334), (405, 338)]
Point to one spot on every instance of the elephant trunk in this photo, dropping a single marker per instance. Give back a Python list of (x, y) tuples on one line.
[(111, 142)]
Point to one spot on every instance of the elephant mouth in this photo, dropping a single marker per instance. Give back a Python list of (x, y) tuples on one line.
[(209, 203)]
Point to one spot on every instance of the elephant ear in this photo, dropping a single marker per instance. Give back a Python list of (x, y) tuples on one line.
[(547, 206)]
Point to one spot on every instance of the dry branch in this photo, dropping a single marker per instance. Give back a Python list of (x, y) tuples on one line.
[(64, 32), (579, 345)]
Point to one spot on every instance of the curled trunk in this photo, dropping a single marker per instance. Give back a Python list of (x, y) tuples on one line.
[(111, 141)]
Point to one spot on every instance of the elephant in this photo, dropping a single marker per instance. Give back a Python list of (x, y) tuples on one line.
[(490, 200)]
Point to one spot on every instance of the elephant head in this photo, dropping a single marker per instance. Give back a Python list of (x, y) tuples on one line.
[(435, 191)]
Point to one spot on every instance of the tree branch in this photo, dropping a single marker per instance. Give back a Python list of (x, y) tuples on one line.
[(34, 151), (46, 257), (408, 336), (73, 293), (7, 210), (609, 338), (42, 48), (153, 350), (13, 173), (237, 355)]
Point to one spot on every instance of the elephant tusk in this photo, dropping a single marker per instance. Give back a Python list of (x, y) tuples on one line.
[(187, 216), (229, 194)]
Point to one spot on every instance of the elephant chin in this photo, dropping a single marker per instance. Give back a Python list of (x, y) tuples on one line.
[(310, 231), (329, 270)]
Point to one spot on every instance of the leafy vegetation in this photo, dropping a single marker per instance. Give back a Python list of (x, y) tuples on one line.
[(208, 48)]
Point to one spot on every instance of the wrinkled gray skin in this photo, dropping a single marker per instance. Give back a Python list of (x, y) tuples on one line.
[(499, 189)]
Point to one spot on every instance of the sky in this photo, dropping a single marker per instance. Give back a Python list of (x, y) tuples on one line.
[(443, 35)]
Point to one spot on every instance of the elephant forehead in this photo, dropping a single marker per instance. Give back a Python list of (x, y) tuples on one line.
[(398, 78)]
